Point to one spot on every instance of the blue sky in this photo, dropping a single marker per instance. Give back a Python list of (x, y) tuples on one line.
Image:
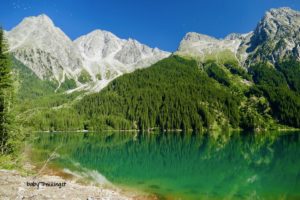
[(157, 23)]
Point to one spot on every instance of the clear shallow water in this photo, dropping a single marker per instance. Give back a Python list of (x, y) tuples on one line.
[(183, 166)]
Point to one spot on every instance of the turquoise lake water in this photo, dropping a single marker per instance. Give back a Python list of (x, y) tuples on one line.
[(182, 166)]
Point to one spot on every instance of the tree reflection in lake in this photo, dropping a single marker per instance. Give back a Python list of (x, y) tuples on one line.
[(190, 166)]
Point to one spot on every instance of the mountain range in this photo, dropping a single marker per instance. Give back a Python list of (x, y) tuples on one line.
[(101, 82), (92, 60), (276, 37), (95, 59)]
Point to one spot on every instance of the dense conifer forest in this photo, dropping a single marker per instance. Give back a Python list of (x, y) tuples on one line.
[(10, 134), (179, 93)]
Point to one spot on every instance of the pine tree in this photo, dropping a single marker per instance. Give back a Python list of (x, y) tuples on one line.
[(6, 94)]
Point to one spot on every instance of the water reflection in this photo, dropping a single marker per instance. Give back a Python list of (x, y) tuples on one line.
[(228, 165)]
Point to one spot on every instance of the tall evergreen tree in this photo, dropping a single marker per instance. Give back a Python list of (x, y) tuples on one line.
[(6, 96)]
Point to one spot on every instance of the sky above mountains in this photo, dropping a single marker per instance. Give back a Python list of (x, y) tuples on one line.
[(157, 23)]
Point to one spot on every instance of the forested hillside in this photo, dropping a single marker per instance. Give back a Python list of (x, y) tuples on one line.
[(172, 94), (280, 86), (40, 101), (179, 93)]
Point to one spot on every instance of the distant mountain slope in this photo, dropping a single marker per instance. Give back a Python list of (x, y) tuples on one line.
[(91, 61), (44, 48), (29, 84), (95, 59), (248, 81), (199, 45), (105, 56), (276, 37), (177, 93), (172, 94)]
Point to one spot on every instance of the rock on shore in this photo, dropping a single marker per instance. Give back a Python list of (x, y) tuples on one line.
[(15, 186)]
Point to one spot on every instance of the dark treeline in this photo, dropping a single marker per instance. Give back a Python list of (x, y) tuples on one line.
[(172, 94), (178, 93), (9, 135), (281, 86)]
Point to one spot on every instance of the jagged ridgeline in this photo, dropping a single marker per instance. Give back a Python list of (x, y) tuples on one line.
[(87, 63), (249, 81)]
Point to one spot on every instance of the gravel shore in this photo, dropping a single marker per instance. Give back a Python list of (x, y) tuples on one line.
[(15, 186)]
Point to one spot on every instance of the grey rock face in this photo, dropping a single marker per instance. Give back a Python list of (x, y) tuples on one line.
[(105, 54), (51, 55), (44, 48), (98, 44), (277, 36), (199, 45), (130, 52), (235, 36)]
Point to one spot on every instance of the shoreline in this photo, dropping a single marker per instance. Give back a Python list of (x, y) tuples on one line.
[(35, 182), (17, 186), (151, 130)]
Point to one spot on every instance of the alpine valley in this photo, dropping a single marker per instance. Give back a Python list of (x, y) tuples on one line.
[(102, 117), (101, 82)]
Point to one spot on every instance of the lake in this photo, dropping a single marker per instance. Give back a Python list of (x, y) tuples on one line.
[(181, 166)]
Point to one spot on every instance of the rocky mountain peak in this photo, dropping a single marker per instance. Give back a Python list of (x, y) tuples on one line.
[(98, 44), (51, 54), (276, 36), (280, 13), (42, 19), (106, 54), (44, 48), (199, 45), (195, 37), (235, 36), (101, 55), (281, 19), (105, 35)]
